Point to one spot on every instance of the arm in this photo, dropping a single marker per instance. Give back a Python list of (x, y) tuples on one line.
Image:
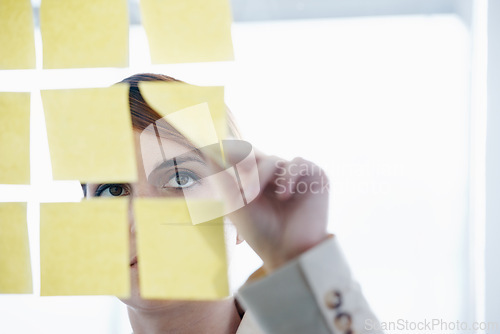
[(314, 293), (309, 287)]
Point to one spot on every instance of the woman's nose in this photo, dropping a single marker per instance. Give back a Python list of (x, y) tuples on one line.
[(144, 190), (131, 221), (140, 190)]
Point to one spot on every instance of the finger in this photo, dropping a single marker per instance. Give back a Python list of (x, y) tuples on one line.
[(291, 178), (270, 168)]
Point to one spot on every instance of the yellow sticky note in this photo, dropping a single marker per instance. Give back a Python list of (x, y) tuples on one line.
[(185, 106), (203, 211), (15, 264), (195, 123), (176, 259), (90, 134), (188, 31), (17, 39), (15, 138), (89, 33), (84, 248)]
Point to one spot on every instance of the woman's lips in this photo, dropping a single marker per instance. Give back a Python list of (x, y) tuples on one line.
[(133, 262)]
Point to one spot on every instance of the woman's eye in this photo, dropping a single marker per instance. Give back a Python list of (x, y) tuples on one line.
[(112, 190), (181, 181)]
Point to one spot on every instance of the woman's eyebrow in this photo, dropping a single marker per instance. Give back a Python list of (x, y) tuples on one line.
[(178, 161), (174, 162)]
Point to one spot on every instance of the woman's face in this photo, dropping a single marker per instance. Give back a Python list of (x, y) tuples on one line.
[(166, 168)]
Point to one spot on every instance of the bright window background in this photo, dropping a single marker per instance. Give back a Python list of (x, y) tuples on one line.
[(380, 103)]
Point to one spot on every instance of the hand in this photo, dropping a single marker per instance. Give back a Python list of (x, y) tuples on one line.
[(289, 214)]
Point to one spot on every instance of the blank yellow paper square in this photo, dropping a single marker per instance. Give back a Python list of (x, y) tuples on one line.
[(84, 248), (204, 211), (90, 134), (15, 264), (84, 33), (178, 260), (188, 31), (15, 138), (183, 103), (195, 123), (17, 39)]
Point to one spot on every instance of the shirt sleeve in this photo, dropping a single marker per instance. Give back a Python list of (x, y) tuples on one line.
[(314, 293)]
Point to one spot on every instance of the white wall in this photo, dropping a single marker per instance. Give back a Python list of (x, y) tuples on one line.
[(382, 105)]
